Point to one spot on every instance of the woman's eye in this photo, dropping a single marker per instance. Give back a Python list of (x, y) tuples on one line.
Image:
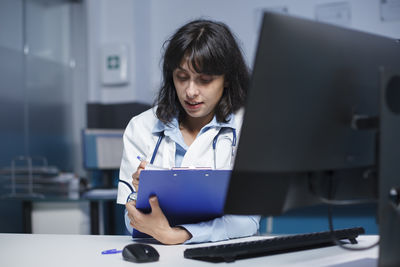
[(182, 77), (205, 79)]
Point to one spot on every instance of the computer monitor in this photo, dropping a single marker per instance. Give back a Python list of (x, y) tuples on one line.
[(309, 131)]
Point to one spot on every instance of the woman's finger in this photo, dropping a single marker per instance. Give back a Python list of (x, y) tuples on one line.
[(136, 175)]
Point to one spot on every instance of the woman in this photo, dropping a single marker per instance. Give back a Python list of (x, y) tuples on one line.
[(195, 122)]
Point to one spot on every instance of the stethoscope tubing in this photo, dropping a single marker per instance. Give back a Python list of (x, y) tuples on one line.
[(214, 145), (153, 156)]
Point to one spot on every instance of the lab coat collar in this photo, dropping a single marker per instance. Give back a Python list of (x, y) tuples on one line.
[(214, 123), (172, 127)]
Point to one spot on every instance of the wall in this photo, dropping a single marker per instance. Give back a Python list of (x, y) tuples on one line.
[(244, 17), (146, 24), (118, 22)]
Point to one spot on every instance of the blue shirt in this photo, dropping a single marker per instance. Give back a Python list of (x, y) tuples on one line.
[(172, 131)]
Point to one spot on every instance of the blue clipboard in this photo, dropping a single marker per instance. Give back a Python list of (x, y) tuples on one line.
[(185, 195)]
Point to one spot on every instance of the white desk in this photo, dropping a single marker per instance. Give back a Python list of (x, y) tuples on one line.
[(85, 250)]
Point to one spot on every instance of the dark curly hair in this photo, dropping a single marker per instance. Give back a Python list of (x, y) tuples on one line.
[(210, 48)]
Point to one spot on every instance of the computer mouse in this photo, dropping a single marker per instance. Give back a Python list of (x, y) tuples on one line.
[(137, 252)]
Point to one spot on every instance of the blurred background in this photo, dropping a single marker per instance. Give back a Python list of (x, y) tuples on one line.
[(72, 74)]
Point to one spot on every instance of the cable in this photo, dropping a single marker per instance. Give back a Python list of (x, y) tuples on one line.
[(331, 228), (340, 244), (332, 202)]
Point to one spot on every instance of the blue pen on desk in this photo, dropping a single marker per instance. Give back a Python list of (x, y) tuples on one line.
[(111, 251)]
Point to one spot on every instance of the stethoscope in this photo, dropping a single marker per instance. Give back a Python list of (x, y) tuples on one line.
[(214, 145)]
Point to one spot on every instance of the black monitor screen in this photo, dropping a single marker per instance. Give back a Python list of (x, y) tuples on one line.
[(310, 81)]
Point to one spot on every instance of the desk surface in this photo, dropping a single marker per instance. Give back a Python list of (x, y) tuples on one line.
[(85, 250)]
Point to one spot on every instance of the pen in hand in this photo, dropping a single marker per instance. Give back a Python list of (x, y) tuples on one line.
[(141, 158), (150, 165)]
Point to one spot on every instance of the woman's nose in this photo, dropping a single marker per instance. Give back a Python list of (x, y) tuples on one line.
[(191, 90)]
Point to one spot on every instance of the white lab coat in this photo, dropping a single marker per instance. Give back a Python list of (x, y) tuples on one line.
[(140, 141)]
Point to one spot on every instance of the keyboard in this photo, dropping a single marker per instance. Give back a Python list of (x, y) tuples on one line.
[(281, 244)]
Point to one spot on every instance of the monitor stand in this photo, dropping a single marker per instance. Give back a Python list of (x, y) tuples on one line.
[(389, 169)]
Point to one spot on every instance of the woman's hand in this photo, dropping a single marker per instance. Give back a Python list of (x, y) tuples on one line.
[(156, 224), (135, 176)]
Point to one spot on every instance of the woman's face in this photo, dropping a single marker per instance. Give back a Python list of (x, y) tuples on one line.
[(198, 93)]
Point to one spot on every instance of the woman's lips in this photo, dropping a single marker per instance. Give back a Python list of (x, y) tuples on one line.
[(193, 105)]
